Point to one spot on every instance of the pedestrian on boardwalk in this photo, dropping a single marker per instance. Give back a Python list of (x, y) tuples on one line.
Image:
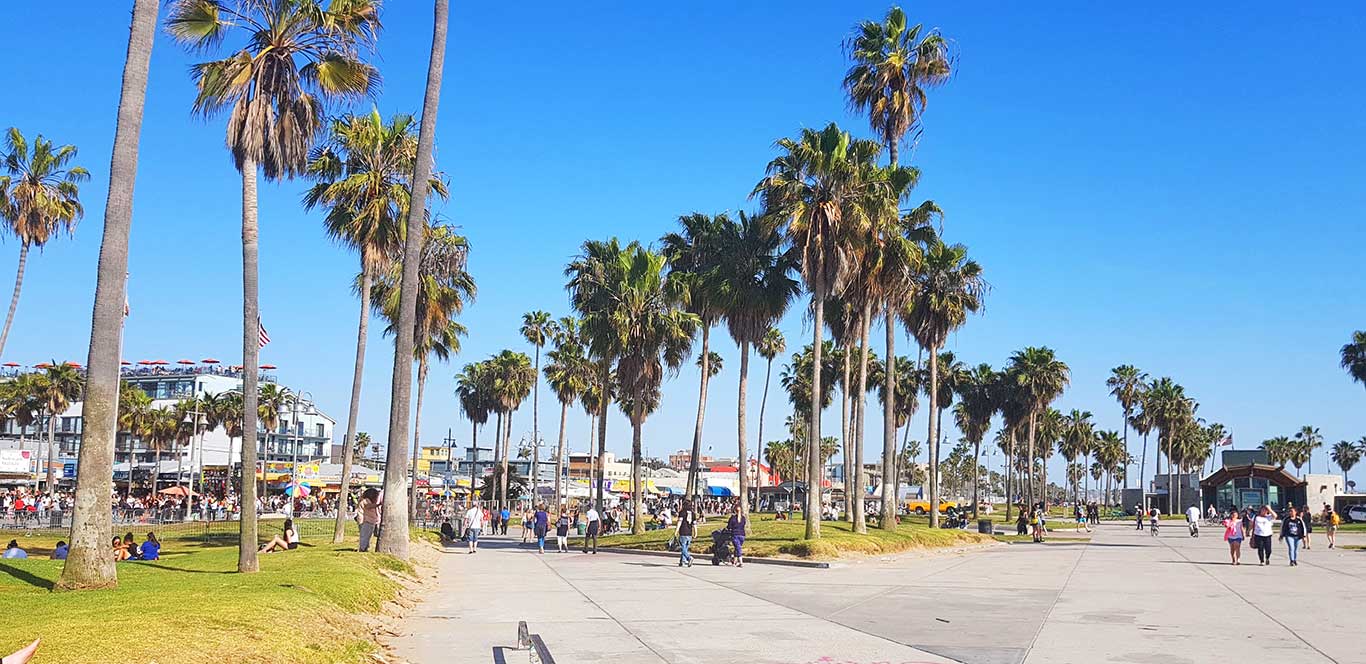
[(370, 502), (1261, 533), (541, 525), (1292, 531), (736, 526), (1308, 518), (686, 530), (562, 533), (474, 522), (1331, 520), (1233, 534), (1139, 512), (594, 526), (504, 518)]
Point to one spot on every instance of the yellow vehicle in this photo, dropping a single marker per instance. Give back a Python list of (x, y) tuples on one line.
[(922, 507)]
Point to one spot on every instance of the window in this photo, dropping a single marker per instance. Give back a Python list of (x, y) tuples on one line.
[(321, 432)]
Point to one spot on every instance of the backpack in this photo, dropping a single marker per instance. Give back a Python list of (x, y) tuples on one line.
[(1336, 519)]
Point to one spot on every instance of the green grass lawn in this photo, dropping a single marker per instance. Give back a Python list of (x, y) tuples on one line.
[(786, 538), (191, 606)]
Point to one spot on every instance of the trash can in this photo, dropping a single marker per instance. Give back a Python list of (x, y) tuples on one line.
[(985, 527), (583, 528)]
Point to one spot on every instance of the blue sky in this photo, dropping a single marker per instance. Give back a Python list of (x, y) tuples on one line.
[(1173, 187)]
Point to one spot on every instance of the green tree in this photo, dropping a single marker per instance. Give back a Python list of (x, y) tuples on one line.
[(1279, 450), (537, 329), (57, 386), (567, 374), (1126, 385), (1354, 357), (771, 345), (1345, 455), (1307, 439), (830, 189), (1078, 439), (298, 56), (977, 404), (474, 391), (1170, 410), (39, 199), (512, 376), (1041, 378), (948, 287)]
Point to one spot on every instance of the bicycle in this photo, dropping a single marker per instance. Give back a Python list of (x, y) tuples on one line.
[(1153, 527)]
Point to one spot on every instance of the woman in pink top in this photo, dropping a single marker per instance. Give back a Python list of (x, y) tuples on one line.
[(1233, 534)]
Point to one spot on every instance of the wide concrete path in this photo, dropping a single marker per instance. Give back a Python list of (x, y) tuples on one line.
[(1124, 597)]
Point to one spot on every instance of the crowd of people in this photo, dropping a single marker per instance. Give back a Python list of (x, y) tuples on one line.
[(1296, 529)]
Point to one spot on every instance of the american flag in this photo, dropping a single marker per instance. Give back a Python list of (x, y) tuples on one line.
[(1228, 440), (264, 336)]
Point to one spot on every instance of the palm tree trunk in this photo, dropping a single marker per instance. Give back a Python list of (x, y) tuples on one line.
[(694, 462), (1142, 472), (497, 451), (763, 404), (637, 483), (474, 459), (1171, 506), (394, 537), (536, 430), (417, 435), (251, 348), (1010, 473), (507, 451), (890, 482), (559, 457), (813, 462), (846, 440), (740, 432), (14, 300), (179, 468), (976, 473), (602, 433), (156, 471), (353, 413), (933, 436), (51, 448), (860, 405)]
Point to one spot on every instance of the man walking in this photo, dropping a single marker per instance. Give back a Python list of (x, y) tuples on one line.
[(474, 521), (594, 525)]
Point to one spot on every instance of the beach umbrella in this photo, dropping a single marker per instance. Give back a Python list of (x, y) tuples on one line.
[(160, 363), (208, 360), (296, 490), (12, 364), (43, 365), (184, 361), (267, 366), (126, 363), (72, 364)]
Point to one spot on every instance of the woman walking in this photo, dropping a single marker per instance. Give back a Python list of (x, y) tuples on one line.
[(541, 518), (1261, 533), (736, 526), (1292, 531), (562, 532), (1233, 534), (686, 530), (1331, 520), (1308, 518)]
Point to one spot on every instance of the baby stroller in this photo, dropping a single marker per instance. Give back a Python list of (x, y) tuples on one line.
[(720, 547)]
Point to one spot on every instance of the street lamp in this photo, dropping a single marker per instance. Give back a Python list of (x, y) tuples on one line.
[(298, 433)]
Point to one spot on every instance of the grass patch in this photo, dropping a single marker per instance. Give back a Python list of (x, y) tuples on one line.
[(191, 606), (769, 538)]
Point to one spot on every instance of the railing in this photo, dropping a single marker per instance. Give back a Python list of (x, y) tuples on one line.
[(535, 646)]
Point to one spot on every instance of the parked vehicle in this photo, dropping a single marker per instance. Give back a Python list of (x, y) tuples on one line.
[(1356, 513), (922, 507)]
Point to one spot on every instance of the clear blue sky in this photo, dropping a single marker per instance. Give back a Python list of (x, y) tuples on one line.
[(1178, 187)]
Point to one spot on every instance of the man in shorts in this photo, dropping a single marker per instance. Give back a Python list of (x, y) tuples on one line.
[(474, 521), (594, 527), (1331, 520)]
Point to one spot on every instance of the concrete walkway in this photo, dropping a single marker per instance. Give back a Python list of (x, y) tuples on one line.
[(1123, 597)]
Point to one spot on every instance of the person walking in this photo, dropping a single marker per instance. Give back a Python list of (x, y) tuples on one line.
[(736, 525), (686, 530), (370, 502), (1261, 533), (594, 526), (504, 517), (1139, 512), (541, 525), (1292, 532), (562, 533), (474, 522), (1233, 534), (1331, 520), (1308, 518)]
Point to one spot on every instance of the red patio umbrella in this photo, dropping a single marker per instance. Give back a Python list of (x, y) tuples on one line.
[(44, 365), (208, 360), (184, 361), (145, 362), (12, 364), (126, 363), (268, 366), (160, 362)]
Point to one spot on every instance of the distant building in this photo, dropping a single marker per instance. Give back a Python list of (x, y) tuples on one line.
[(682, 459)]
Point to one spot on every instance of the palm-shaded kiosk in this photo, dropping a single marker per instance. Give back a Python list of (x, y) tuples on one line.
[(1252, 485)]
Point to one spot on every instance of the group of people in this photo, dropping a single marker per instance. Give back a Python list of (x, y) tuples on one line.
[(127, 548), (25, 506), (1295, 529), (732, 535)]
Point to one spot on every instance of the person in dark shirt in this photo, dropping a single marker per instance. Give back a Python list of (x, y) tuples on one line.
[(541, 526), (736, 526), (1293, 532), (61, 551), (686, 530)]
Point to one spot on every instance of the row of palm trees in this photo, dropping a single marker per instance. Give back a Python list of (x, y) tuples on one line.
[(294, 61)]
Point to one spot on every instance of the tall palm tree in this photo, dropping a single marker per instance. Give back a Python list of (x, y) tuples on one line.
[(272, 401), (757, 286), (39, 198), (1309, 439), (951, 373), (473, 388), (1354, 357), (829, 188), (1217, 435), (361, 177), (1142, 423), (228, 413), (298, 56), (1041, 378), (947, 288), (537, 329), (1345, 455), (1170, 411), (88, 565), (1126, 385), (159, 431), (1279, 450), (513, 377), (796, 379), (134, 408), (568, 375), (1078, 438), (694, 259), (771, 345), (58, 386), (977, 404)]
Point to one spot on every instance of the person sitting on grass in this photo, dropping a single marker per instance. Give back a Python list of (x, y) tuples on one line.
[(61, 550), (130, 544), (289, 541), (13, 550), (448, 535), (119, 552), (151, 549)]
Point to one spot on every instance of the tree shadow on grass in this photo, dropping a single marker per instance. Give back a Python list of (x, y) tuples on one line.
[(182, 569), (26, 576)]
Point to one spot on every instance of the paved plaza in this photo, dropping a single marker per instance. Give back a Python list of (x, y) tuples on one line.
[(1123, 597)]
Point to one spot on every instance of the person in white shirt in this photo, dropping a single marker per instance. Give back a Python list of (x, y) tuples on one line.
[(594, 525), (474, 521), (1261, 533), (1193, 520)]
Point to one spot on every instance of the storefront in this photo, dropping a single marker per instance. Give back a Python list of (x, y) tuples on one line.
[(1252, 485)]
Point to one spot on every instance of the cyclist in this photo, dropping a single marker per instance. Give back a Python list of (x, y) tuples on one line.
[(1152, 521)]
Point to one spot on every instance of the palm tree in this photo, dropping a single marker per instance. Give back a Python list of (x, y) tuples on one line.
[(770, 345), (947, 288), (361, 174), (58, 386), (1142, 423), (298, 57), (1354, 357), (951, 373), (1111, 454), (1078, 438), (1170, 410), (694, 260), (977, 403), (568, 375), (1345, 455), (394, 539), (1126, 385), (88, 565), (893, 66), (272, 401), (828, 186), (227, 411), (39, 198), (1308, 439), (474, 389), (1279, 450), (362, 442), (537, 329), (513, 377), (1041, 378), (134, 408)]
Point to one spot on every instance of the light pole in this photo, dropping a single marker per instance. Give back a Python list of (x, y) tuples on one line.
[(298, 433)]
